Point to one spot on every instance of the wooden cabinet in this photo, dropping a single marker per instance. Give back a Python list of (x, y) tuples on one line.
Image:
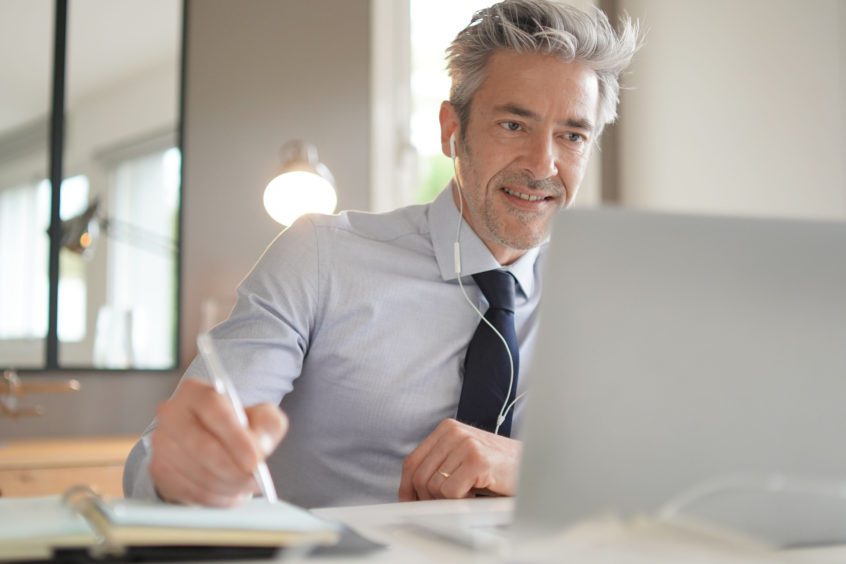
[(50, 466)]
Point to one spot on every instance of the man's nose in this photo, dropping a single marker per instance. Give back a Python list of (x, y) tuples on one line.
[(540, 160)]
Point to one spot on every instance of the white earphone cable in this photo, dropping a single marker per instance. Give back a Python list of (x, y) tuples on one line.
[(506, 406)]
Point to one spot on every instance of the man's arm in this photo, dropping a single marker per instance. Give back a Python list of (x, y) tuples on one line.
[(200, 452), (456, 459), (196, 451)]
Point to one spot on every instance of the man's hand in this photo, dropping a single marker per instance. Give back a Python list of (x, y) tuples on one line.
[(456, 459), (201, 454)]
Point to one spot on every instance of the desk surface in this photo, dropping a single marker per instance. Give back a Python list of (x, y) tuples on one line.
[(397, 526), (65, 452), (50, 466)]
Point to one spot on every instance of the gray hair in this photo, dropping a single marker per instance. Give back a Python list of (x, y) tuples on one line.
[(547, 27)]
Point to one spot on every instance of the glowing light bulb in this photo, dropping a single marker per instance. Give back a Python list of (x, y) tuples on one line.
[(295, 193), (303, 186)]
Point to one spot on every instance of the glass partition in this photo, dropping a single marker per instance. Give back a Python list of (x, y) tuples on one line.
[(26, 39), (116, 288)]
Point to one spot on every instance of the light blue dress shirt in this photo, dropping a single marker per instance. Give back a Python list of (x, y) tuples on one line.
[(356, 326)]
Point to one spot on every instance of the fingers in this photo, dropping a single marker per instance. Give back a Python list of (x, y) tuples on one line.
[(455, 460), (468, 469), (407, 489), (427, 478), (200, 452), (216, 415), (268, 425), (181, 484)]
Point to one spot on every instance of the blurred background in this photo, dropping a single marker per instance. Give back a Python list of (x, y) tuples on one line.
[(175, 115)]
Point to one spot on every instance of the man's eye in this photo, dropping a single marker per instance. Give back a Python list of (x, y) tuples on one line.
[(510, 125), (576, 138)]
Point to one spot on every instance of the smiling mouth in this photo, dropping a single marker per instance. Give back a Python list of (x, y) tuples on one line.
[(526, 197)]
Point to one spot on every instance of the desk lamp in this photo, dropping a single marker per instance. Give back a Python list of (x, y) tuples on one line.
[(303, 185)]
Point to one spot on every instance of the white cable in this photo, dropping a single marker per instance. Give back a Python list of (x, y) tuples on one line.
[(514, 401), (506, 406), (723, 484)]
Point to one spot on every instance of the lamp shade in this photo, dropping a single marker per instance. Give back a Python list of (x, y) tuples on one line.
[(80, 233), (303, 185)]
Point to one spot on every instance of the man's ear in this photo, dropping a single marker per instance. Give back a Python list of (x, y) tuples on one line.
[(449, 126)]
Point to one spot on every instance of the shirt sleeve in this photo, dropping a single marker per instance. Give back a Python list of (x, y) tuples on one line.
[(265, 339), (137, 482)]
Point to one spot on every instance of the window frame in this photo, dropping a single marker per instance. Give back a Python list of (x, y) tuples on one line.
[(55, 153)]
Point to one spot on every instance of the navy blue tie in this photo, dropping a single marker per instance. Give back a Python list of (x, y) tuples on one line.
[(486, 368)]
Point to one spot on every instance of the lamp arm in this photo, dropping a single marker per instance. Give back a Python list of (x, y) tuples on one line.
[(137, 236)]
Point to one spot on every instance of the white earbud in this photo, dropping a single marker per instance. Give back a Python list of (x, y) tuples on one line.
[(456, 246)]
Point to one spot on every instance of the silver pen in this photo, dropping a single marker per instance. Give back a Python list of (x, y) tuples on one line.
[(224, 386)]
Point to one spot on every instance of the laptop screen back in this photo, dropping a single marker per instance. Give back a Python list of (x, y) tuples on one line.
[(678, 349)]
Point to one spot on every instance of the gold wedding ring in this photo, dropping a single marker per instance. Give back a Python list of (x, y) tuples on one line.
[(444, 474)]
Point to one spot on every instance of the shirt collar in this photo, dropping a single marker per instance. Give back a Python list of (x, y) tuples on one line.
[(475, 256)]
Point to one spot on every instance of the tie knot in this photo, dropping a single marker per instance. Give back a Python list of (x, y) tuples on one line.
[(498, 287)]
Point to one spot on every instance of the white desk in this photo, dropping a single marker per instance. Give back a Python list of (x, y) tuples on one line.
[(393, 525)]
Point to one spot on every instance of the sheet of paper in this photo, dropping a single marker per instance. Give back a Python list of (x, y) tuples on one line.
[(39, 517), (255, 515)]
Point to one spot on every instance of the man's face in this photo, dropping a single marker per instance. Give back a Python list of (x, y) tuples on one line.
[(525, 148)]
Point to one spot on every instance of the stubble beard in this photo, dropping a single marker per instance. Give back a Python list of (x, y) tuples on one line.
[(481, 206), (534, 227)]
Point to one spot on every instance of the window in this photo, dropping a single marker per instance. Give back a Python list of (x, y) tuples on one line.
[(24, 216), (24, 247), (141, 265), (101, 289), (409, 82), (72, 271), (434, 24)]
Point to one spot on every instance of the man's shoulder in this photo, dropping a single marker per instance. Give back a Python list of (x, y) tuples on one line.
[(350, 235), (407, 221)]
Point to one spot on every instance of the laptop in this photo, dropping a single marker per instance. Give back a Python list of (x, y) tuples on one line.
[(690, 365)]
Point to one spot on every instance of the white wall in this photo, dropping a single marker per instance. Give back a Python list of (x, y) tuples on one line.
[(737, 107), (259, 73)]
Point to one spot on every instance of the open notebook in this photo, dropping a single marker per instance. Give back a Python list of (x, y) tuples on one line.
[(80, 521)]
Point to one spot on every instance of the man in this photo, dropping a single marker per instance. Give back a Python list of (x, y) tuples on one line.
[(356, 325)]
